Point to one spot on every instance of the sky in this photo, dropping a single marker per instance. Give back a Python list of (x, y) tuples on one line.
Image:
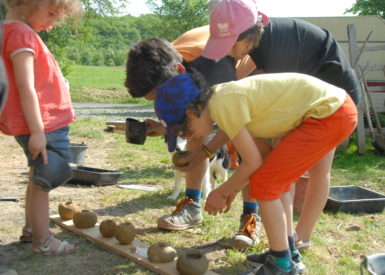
[(277, 8)]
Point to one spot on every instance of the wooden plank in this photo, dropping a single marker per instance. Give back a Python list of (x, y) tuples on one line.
[(378, 100), (376, 88), (375, 68), (375, 48), (116, 123), (136, 251), (361, 137)]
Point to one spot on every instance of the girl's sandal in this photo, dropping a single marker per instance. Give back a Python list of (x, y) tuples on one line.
[(301, 245), (27, 236), (47, 248)]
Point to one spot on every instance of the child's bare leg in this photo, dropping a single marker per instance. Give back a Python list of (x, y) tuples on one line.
[(287, 203), (315, 198), (38, 213), (265, 148), (28, 202), (195, 176), (274, 221)]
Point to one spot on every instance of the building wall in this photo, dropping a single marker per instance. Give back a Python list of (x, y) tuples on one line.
[(364, 24)]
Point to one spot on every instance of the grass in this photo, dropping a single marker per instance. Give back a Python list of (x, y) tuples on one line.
[(338, 241), (336, 247), (100, 84)]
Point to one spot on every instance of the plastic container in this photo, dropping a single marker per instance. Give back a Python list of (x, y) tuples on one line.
[(78, 151), (94, 176), (373, 264), (354, 199)]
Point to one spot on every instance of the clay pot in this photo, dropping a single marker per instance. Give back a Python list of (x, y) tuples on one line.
[(107, 228), (192, 262), (177, 156), (85, 219), (161, 253), (125, 233), (67, 210)]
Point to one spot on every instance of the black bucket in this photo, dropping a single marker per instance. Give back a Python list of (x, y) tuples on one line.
[(136, 131)]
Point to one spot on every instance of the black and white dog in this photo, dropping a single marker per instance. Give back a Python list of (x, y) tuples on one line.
[(218, 167)]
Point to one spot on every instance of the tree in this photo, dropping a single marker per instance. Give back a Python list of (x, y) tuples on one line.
[(368, 7), (177, 16)]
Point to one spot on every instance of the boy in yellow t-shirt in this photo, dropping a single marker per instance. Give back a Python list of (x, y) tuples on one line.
[(311, 116)]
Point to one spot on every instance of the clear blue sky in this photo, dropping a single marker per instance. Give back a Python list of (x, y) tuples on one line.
[(284, 8)]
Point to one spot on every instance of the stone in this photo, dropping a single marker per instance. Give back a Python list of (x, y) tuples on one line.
[(85, 219), (177, 156), (192, 262), (161, 253), (67, 210), (125, 233), (107, 228)]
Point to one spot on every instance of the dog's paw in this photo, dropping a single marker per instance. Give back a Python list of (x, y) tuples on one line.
[(172, 197)]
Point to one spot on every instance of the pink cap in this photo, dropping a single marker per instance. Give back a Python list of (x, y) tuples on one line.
[(228, 19)]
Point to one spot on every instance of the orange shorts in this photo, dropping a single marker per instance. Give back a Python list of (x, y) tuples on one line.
[(300, 150)]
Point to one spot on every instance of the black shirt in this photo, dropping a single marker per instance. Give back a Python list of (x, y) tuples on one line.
[(293, 45), (215, 72)]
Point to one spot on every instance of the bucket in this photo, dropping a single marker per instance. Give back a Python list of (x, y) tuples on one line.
[(78, 151), (136, 131)]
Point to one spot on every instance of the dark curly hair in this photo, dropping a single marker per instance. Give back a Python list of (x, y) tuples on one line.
[(150, 63)]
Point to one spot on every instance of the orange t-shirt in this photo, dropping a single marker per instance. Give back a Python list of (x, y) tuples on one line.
[(191, 44), (54, 98)]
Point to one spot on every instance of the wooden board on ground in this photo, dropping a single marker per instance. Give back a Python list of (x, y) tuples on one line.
[(136, 251)]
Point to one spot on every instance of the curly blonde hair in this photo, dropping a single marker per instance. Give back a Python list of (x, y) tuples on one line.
[(64, 7)]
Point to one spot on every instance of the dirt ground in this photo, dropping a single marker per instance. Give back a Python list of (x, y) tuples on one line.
[(13, 179)]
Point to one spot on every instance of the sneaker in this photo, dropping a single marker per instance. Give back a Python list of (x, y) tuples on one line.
[(270, 268), (248, 233), (256, 260), (186, 214)]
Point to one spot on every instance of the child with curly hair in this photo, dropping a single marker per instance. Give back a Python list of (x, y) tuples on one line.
[(38, 109)]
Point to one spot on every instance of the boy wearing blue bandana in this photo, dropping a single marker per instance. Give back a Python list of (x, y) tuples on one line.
[(311, 116)]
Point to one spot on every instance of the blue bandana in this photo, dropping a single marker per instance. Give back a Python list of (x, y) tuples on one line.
[(170, 103)]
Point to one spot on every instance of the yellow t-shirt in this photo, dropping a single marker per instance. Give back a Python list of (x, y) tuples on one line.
[(271, 105), (191, 44)]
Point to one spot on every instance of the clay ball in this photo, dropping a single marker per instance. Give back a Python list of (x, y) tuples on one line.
[(125, 233), (85, 219), (192, 262), (161, 253), (107, 228), (67, 210), (177, 156)]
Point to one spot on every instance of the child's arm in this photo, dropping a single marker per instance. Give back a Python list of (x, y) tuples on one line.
[(24, 77), (219, 200), (195, 158)]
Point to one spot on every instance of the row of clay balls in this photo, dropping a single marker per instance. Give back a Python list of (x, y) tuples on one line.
[(190, 262), (124, 232)]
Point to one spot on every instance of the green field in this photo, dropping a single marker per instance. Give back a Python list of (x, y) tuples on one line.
[(99, 84)]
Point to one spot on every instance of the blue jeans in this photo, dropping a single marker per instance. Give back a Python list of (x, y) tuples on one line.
[(57, 141)]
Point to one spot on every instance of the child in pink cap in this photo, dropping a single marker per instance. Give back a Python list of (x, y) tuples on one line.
[(283, 45)]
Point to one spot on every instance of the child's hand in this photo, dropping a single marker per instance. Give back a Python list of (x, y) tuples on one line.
[(193, 159), (155, 128), (37, 145), (216, 203), (229, 201)]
